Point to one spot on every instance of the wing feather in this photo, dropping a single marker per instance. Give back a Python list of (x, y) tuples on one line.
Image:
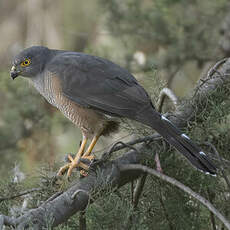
[(99, 84)]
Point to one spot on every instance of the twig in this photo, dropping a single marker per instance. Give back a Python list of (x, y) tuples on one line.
[(214, 69), (54, 196), (82, 221), (205, 202), (210, 73), (138, 189), (169, 93), (117, 146), (20, 194), (121, 145), (164, 209), (210, 197), (132, 190)]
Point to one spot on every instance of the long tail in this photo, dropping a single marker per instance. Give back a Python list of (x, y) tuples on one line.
[(180, 141)]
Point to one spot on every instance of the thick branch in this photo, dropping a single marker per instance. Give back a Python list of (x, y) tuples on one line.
[(77, 197)]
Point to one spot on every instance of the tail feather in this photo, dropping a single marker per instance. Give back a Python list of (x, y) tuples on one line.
[(195, 155), (182, 143)]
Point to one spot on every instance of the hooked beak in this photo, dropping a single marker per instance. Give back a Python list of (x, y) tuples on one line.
[(13, 72)]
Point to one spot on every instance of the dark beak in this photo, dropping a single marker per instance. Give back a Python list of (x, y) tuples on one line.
[(13, 72)]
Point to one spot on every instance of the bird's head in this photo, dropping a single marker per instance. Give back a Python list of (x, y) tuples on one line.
[(30, 62)]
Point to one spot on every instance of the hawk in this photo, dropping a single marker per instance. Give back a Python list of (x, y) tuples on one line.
[(91, 91)]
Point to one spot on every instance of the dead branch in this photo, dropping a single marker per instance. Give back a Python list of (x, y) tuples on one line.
[(170, 94), (138, 189), (20, 194)]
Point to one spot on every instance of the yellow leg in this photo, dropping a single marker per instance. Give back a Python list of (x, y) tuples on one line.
[(87, 155), (91, 146), (75, 162), (67, 166), (80, 151)]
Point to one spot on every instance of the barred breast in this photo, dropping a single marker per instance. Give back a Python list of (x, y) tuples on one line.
[(88, 120)]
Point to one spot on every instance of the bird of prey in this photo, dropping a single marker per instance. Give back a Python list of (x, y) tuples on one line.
[(92, 91)]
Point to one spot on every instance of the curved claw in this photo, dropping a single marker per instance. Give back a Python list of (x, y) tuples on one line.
[(63, 169), (76, 162), (84, 173)]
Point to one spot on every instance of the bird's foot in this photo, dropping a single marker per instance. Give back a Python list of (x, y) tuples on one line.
[(82, 163), (86, 160), (91, 162), (70, 166), (83, 173)]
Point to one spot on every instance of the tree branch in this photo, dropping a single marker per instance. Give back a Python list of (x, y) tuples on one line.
[(82, 221), (109, 174), (138, 189), (142, 168), (77, 197), (170, 94), (20, 194)]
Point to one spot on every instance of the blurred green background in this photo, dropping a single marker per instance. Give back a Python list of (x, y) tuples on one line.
[(174, 40), (163, 43)]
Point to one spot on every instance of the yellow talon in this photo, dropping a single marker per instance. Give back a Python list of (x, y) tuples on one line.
[(84, 173), (70, 167), (75, 162)]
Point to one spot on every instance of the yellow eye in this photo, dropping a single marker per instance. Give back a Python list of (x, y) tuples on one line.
[(26, 62)]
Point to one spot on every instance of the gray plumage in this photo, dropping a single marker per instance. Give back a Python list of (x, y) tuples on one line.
[(89, 89)]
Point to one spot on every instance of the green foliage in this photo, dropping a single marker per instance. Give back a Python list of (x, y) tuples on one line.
[(167, 31), (100, 212), (176, 36)]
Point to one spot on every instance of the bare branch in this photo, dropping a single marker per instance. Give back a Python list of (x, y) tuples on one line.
[(20, 194), (214, 69), (134, 167), (138, 189), (82, 221), (121, 145), (211, 196), (164, 208), (170, 94)]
